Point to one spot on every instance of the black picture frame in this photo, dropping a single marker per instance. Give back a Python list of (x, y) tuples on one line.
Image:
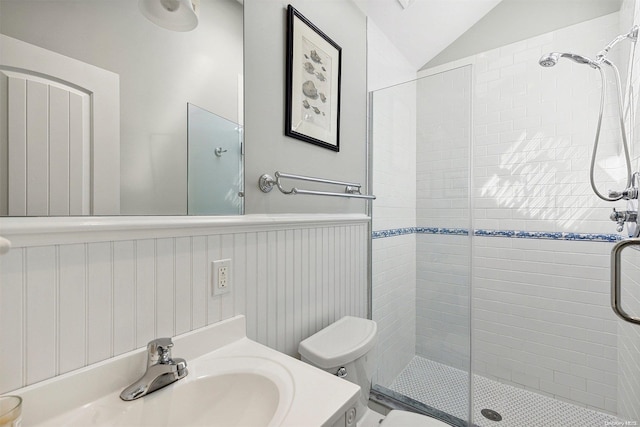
[(313, 78)]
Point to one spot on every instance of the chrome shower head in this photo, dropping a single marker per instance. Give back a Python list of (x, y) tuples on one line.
[(551, 59)]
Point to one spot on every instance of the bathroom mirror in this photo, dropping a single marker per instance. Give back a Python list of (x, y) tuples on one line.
[(94, 106)]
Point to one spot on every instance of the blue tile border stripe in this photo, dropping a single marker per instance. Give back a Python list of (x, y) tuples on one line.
[(393, 232), (449, 231), (518, 234), (556, 235), (418, 230)]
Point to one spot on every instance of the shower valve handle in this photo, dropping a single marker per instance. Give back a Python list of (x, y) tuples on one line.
[(620, 217)]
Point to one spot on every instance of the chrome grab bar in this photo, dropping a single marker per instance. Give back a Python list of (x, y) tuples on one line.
[(616, 280), (267, 182)]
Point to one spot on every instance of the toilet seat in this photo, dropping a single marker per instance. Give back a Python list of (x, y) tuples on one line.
[(397, 418)]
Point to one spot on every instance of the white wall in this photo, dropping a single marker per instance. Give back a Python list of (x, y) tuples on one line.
[(160, 71), (542, 320), (533, 130), (76, 301), (443, 149), (95, 295), (393, 138), (386, 65), (267, 149), (442, 303), (533, 133), (540, 307), (393, 306)]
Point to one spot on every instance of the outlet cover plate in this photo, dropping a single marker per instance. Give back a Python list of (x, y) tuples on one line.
[(218, 286)]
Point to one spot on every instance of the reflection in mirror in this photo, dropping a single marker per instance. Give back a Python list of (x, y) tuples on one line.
[(215, 164), (92, 104)]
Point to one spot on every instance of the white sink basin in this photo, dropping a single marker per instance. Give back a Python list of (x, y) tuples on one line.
[(224, 400), (232, 382), (218, 392)]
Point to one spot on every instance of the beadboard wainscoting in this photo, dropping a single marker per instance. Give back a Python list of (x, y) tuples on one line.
[(75, 292)]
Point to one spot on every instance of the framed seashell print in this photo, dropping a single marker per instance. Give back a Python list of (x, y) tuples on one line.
[(313, 83)]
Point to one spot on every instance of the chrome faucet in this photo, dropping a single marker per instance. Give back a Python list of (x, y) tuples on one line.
[(162, 370)]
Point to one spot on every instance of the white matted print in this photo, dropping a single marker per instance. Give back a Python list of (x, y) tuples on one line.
[(313, 84)]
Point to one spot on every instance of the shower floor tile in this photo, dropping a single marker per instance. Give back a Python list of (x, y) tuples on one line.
[(447, 389)]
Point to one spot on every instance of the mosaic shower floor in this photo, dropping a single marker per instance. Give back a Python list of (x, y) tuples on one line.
[(446, 388)]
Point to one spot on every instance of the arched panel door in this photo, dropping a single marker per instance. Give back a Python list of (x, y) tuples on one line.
[(62, 145)]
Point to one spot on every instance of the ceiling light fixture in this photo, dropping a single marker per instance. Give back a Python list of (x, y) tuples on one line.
[(175, 15)]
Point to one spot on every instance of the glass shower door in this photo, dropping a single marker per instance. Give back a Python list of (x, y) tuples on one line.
[(547, 349), (420, 135)]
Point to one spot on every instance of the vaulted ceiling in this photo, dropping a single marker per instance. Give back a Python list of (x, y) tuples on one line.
[(431, 32), (425, 27)]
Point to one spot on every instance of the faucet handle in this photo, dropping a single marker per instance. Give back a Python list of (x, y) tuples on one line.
[(159, 351)]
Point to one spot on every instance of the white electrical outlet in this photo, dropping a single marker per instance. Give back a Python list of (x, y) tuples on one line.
[(220, 277)]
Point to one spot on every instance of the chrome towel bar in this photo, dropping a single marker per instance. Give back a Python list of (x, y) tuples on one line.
[(267, 182)]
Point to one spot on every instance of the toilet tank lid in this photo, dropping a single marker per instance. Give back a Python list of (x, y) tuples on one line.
[(340, 343)]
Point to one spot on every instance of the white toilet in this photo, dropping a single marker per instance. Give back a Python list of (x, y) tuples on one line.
[(345, 348)]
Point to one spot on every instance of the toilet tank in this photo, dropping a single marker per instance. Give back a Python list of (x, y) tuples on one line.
[(347, 343), (341, 342)]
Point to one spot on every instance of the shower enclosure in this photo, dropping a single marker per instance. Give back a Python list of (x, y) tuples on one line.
[(491, 253)]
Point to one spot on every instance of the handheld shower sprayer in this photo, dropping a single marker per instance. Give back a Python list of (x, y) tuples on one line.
[(551, 59), (631, 188)]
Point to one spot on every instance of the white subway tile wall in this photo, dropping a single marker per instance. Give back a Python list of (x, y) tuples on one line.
[(533, 132), (63, 307), (542, 319), (541, 316), (394, 304), (386, 66), (444, 125), (443, 261), (442, 314), (540, 308), (394, 149), (393, 137)]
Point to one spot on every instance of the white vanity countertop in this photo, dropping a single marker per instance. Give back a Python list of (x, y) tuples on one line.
[(317, 398)]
